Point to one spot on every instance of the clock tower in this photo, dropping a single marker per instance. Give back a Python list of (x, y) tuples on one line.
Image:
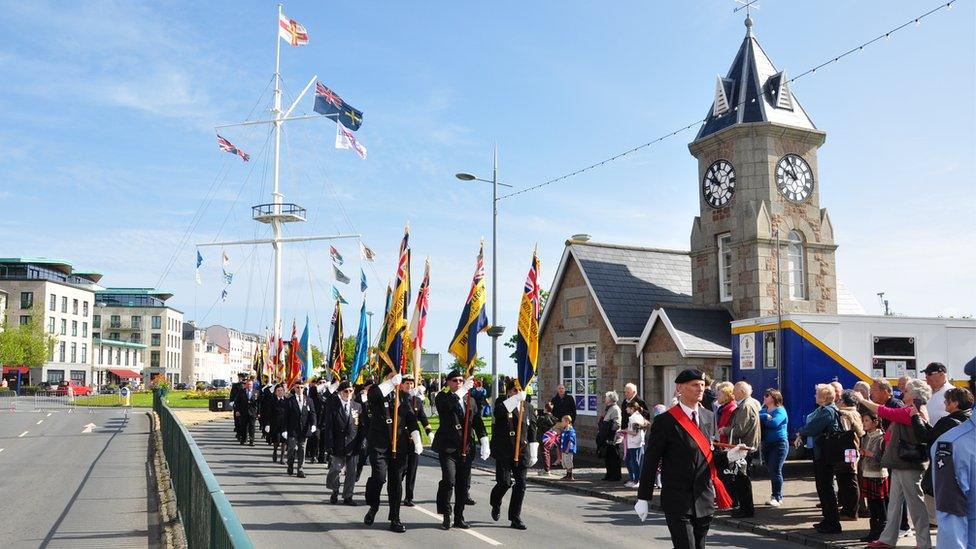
[(759, 192)]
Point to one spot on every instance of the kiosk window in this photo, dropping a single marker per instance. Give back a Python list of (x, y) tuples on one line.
[(893, 357)]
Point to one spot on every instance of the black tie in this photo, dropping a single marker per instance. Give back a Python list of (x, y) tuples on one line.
[(694, 419)]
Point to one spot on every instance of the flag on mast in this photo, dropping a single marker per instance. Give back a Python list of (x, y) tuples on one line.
[(419, 320), (337, 296), (345, 139), (332, 106), (340, 276), (365, 252), (199, 262), (336, 256), (395, 324), (362, 280), (227, 146), (304, 354), (474, 319), (527, 337), (337, 355), (291, 31), (360, 355)]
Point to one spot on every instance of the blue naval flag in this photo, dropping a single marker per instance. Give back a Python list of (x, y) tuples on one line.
[(328, 103), (360, 356)]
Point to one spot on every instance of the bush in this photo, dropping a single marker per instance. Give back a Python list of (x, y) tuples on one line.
[(29, 390), (207, 395)]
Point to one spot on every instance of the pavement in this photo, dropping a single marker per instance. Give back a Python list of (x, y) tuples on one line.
[(272, 505), (70, 478)]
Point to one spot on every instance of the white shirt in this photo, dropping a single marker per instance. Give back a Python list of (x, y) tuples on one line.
[(697, 409), (635, 431), (936, 404)]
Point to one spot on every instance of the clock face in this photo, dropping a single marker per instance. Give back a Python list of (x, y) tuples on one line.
[(718, 184), (794, 178)]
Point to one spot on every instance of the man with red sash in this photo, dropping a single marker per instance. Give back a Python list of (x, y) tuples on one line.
[(689, 493)]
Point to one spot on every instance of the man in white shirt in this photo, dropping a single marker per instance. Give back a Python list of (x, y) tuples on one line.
[(935, 376)]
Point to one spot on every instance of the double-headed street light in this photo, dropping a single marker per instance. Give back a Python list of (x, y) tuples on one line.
[(495, 331)]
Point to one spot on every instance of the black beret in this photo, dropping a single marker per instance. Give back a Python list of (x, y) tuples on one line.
[(690, 374), (343, 385), (453, 374)]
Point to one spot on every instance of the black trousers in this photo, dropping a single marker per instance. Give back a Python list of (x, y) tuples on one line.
[(296, 447), (312, 446), (245, 428), (879, 516), (823, 476), (320, 447), (612, 462), (363, 456), (743, 488), (456, 479), (511, 474), (413, 460), (687, 531), (847, 489), (389, 470)]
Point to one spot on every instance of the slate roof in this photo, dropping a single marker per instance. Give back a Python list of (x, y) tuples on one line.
[(630, 282), (702, 330), (754, 91)]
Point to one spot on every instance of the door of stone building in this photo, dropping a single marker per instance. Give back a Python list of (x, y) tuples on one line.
[(667, 384)]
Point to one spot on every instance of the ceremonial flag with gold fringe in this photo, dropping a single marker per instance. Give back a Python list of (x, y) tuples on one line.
[(395, 324), (294, 373), (419, 321), (474, 319), (527, 340), (337, 355)]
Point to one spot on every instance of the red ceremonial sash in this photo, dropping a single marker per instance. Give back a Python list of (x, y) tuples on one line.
[(722, 499)]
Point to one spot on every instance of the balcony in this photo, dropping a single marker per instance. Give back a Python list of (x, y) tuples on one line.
[(123, 325), (282, 213)]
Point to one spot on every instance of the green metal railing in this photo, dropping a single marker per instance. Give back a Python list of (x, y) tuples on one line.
[(208, 518)]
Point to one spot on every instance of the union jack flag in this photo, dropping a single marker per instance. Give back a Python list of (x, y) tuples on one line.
[(419, 321), (227, 146), (328, 95), (549, 438)]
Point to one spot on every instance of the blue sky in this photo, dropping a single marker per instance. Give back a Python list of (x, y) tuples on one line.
[(108, 141)]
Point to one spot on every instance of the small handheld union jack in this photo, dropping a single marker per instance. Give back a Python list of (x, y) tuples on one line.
[(549, 438), (227, 146)]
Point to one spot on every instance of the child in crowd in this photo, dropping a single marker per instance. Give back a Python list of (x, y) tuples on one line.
[(548, 426), (873, 478), (636, 425), (567, 445)]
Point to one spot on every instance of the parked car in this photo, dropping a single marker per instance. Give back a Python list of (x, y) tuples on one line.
[(181, 386), (47, 387), (72, 386)]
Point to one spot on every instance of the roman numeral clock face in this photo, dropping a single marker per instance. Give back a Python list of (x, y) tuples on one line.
[(794, 178), (718, 184)]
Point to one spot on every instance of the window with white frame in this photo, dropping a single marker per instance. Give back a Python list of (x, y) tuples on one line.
[(725, 267), (579, 373), (796, 270)]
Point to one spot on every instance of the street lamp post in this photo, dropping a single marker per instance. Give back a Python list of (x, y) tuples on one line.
[(495, 331)]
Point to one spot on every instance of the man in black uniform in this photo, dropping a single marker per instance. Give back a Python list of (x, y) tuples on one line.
[(264, 396), (312, 444), (235, 388), (326, 394), (361, 393), (510, 473), (416, 404), (276, 410), (245, 409), (388, 462), (680, 442), (299, 424), (342, 435), (458, 414)]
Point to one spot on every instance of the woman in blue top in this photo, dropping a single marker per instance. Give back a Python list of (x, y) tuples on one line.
[(775, 443)]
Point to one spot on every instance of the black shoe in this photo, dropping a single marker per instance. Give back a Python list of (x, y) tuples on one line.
[(469, 502), (349, 502), (741, 514), (290, 471), (334, 499), (496, 512), (460, 523), (829, 529), (870, 537), (370, 515), (408, 503), (446, 523), (250, 442), (301, 474), (397, 526), (518, 524), (274, 456)]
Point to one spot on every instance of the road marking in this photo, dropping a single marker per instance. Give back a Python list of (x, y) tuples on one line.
[(1, 449), (49, 414), (470, 531), (40, 421), (22, 434), (88, 428)]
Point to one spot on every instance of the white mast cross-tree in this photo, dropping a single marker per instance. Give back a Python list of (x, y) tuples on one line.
[(277, 212)]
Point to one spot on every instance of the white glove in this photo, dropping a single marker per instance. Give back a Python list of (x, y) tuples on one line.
[(511, 403), (284, 434), (362, 397), (386, 387), (267, 428), (520, 396), (641, 509), (485, 448), (418, 446), (738, 453), (533, 453), (312, 429), (397, 379), (432, 433), (468, 384)]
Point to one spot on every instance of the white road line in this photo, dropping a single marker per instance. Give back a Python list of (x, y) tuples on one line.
[(470, 531), (49, 414), (40, 421), (1, 449), (22, 434)]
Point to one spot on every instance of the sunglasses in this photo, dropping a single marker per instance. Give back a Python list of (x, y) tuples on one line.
[(456, 379)]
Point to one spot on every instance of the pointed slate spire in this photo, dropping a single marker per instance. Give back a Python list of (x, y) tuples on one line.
[(753, 91)]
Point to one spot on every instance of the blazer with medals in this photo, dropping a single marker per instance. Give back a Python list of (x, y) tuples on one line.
[(685, 476), (379, 435), (246, 406), (343, 430), (299, 419), (450, 432), (503, 433)]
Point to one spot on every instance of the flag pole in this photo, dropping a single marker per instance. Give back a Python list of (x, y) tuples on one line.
[(518, 431), (467, 416)]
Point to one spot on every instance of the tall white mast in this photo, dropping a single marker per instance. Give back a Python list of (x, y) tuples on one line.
[(275, 194)]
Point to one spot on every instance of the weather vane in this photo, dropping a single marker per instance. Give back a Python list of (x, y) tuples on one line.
[(746, 5)]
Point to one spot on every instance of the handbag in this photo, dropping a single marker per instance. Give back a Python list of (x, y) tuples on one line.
[(912, 452)]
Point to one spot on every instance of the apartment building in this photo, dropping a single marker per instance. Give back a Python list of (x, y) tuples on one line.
[(204, 360), (117, 361), (240, 346)]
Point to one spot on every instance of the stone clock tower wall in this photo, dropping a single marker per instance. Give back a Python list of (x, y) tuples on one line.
[(755, 211)]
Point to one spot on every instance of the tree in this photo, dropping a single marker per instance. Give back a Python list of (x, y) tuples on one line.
[(27, 344), (479, 365)]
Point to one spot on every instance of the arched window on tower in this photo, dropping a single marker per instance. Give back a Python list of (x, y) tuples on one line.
[(796, 269)]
